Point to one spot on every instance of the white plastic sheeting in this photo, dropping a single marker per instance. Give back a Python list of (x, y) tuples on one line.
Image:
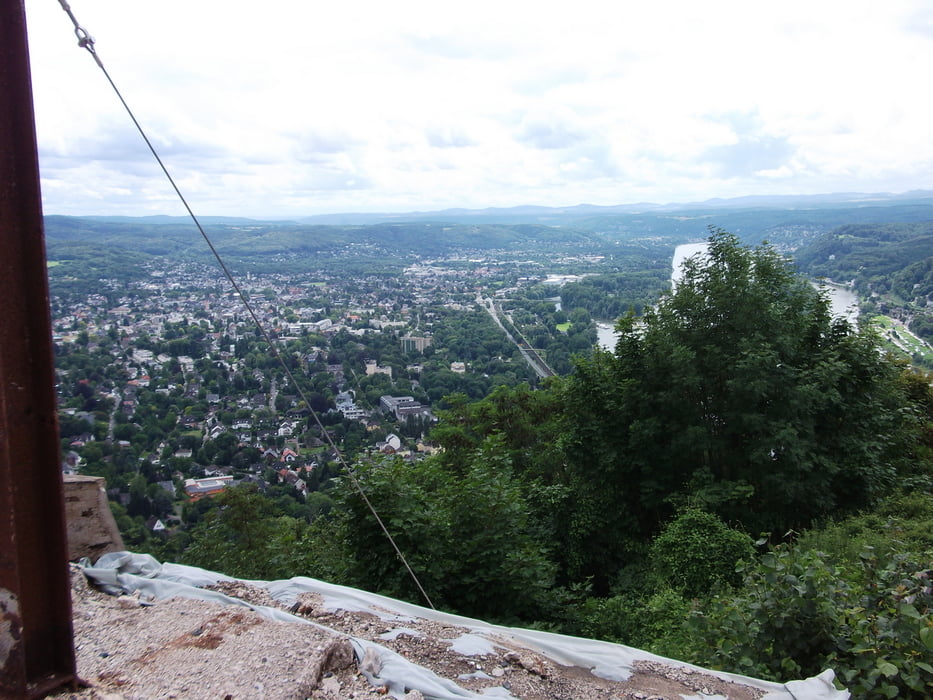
[(125, 572)]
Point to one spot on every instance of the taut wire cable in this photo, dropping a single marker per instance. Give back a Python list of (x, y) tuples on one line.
[(86, 41)]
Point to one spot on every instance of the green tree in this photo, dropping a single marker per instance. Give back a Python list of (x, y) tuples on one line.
[(248, 537), (466, 534), (739, 392)]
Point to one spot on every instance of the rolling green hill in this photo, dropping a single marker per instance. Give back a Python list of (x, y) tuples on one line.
[(890, 265)]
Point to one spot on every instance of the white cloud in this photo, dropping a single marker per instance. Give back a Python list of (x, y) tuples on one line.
[(297, 108)]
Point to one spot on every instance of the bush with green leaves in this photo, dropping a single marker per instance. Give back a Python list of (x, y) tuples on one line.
[(466, 533), (741, 391), (697, 553), (903, 521), (247, 535), (653, 621), (799, 613), (886, 640)]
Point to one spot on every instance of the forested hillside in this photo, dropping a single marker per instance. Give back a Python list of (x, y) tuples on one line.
[(866, 252), (251, 240), (745, 483), (889, 265), (787, 223)]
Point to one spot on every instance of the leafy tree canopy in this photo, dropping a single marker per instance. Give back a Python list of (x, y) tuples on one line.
[(738, 392)]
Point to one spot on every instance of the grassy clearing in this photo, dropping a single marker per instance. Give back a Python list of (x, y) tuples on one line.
[(897, 336)]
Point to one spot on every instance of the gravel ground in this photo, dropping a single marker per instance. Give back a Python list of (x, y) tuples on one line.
[(194, 650)]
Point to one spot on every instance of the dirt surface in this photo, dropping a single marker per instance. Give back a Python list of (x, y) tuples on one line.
[(193, 650)]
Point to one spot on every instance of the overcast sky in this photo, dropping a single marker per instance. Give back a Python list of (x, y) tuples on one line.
[(289, 108)]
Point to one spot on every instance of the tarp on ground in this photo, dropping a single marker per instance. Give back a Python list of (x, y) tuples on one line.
[(126, 572)]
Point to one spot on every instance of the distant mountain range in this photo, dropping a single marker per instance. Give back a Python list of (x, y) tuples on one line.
[(554, 215), (561, 216), (788, 222)]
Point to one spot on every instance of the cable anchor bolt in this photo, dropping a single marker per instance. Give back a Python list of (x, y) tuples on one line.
[(85, 40)]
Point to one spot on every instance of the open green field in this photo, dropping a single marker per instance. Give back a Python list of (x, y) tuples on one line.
[(899, 337)]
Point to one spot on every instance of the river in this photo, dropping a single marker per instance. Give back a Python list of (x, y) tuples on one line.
[(606, 336), (844, 301), (681, 253)]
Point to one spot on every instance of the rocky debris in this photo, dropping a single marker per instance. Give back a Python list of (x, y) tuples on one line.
[(182, 648), (128, 649), (530, 662), (657, 681), (245, 592), (521, 672), (309, 605)]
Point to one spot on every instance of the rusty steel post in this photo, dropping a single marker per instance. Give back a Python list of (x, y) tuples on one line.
[(36, 638)]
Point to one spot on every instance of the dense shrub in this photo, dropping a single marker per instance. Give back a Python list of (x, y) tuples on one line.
[(653, 621), (697, 553), (798, 614), (906, 519)]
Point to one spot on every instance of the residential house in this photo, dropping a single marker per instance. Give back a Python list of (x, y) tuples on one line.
[(391, 445), (290, 476)]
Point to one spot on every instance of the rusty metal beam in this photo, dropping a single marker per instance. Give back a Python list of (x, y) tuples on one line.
[(36, 638)]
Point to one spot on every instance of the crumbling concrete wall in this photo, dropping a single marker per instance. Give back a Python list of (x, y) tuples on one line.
[(92, 530)]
